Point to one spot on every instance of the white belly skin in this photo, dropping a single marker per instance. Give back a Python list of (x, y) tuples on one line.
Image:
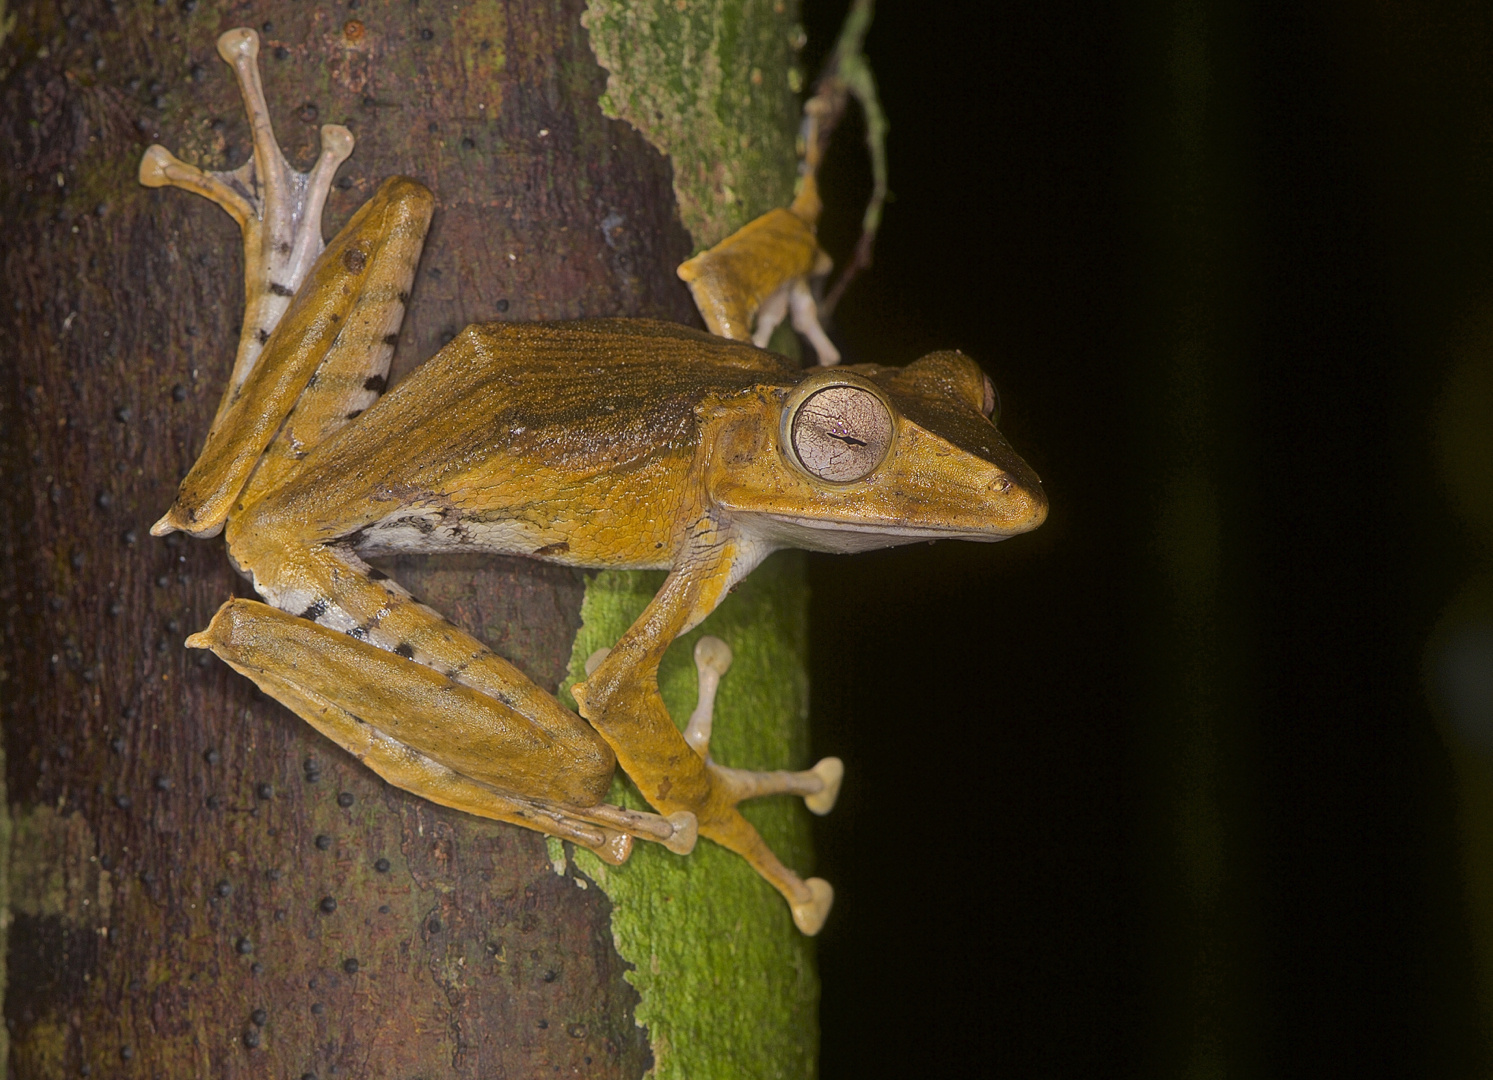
[(438, 531), (430, 530)]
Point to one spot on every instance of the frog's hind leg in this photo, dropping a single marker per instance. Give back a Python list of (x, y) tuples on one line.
[(319, 325), (353, 371), (277, 208), (351, 635), (326, 361), (415, 727)]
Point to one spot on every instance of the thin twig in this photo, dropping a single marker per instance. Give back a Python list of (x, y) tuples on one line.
[(847, 74)]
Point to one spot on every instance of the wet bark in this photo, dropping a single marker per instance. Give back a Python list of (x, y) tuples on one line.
[(200, 884)]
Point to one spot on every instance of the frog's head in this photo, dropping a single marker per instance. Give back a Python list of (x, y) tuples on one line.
[(855, 458)]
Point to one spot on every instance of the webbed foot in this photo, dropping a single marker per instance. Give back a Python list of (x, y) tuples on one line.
[(755, 275), (819, 786), (277, 208)]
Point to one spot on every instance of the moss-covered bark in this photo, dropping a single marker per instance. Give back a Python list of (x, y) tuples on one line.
[(709, 84), (703, 933), (200, 885)]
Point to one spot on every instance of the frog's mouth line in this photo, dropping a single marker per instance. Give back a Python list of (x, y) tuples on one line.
[(903, 532)]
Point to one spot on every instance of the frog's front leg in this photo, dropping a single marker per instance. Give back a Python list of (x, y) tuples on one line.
[(745, 284), (620, 697), (819, 786)]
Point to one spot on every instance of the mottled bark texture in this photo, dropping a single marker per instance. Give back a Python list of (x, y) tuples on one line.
[(201, 885)]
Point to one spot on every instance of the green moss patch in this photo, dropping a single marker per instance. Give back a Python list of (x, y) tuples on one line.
[(710, 85)]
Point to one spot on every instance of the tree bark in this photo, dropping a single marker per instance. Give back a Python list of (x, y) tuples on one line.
[(199, 883)]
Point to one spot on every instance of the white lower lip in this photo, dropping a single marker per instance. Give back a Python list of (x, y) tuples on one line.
[(911, 532)]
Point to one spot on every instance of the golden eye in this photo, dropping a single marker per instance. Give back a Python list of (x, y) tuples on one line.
[(841, 433)]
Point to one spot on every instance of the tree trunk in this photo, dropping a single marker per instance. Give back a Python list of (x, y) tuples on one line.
[(199, 883)]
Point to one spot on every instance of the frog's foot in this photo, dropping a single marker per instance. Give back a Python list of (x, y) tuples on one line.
[(277, 208), (757, 274), (677, 832), (819, 786)]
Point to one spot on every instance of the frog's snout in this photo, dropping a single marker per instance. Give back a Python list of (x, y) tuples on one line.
[(1037, 496), (1021, 497)]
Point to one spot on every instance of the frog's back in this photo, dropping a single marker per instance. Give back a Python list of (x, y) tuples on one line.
[(508, 414), (561, 392)]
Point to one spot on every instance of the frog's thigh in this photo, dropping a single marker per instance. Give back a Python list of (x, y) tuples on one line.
[(408, 769), (473, 733), (333, 588)]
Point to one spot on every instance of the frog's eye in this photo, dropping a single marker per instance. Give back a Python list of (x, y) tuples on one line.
[(841, 433), (992, 405)]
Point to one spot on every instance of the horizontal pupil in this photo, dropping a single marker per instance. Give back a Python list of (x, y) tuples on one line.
[(840, 433)]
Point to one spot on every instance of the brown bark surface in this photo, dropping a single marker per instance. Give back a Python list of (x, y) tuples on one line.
[(201, 884)]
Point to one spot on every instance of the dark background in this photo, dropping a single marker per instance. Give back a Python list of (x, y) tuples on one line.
[(1157, 790)]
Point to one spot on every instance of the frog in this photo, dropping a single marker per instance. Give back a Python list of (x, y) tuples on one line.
[(603, 444)]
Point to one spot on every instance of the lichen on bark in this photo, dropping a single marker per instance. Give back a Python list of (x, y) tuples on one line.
[(710, 85)]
